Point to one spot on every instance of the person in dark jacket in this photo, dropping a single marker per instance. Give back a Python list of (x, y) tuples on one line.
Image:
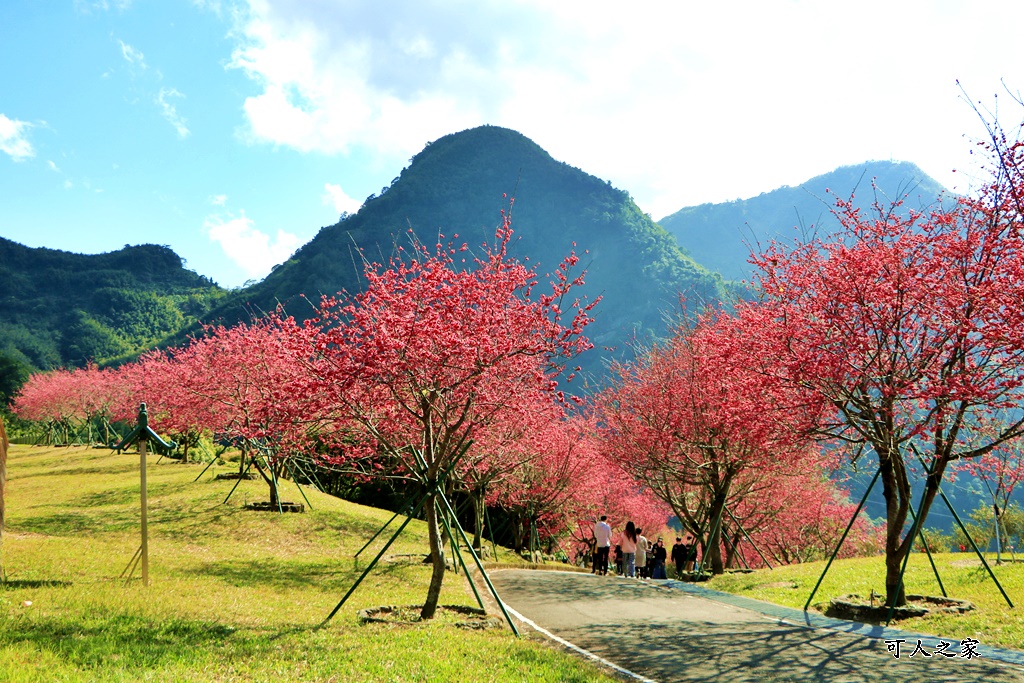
[(659, 555), (680, 551)]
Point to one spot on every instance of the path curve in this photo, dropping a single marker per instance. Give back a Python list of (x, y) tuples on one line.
[(669, 632)]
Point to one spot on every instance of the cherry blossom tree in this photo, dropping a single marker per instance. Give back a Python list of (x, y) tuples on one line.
[(909, 325), (1000, 471), (432, 351), (501, 448), (243, 383), (696, 424), (70, 401)]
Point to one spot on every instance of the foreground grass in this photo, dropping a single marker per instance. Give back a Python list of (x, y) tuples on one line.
[(234, 595), (992, 622)]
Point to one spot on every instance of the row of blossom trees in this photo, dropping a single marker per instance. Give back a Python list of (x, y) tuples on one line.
[(441, 372), (904, 331), (725, 446), (900, 337)]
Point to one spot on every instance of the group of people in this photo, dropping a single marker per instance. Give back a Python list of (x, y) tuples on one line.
[(635, 556)]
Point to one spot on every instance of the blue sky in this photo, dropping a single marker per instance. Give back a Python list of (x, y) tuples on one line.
[(232, 130)]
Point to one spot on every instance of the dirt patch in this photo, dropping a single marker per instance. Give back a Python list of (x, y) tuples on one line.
[(778, 584), (267, 506), (464, 617), (874, 611)]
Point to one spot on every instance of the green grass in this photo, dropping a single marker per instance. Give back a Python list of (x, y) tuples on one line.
[(992, 621), (234, 595)]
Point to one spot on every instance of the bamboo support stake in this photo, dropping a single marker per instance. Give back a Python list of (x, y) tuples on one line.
[(145, 504)]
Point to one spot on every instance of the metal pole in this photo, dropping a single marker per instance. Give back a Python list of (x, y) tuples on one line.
[(914, 528), (490, 529), (239, 481), (375, 560), (458, 555), (747, 536), (295, 480), (381, 530), (924, 542), (480, 567), (735, 550), (711, 534), (273, 479), (842, 538), (208, 465), (963, 528), (974, 546)]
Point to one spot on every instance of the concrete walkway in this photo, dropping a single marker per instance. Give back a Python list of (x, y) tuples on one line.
[(669, 631)]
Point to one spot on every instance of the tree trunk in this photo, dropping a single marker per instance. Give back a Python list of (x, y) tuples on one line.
[(897, 493), (436, 558), (517, 534), (714, 546), (478, 517)]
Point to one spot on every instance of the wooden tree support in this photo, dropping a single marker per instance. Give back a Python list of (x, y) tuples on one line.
[(141, 436)]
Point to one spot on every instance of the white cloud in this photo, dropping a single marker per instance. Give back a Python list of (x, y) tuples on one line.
[(169, 112), (132, 56), (334, 195), (13, 139), (676, 102), (88, 6), (254, 251), (219, 199), (53, 166)]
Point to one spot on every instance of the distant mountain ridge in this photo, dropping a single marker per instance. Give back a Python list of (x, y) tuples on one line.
[(456, 186), (58, 308), (721, 236)]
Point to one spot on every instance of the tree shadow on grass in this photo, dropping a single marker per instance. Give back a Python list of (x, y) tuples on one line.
[(18, 583), (79, 471), (330, 575), (131, 641), (60, 524)]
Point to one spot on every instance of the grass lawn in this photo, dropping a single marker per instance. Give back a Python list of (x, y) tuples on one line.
[(992, 622), (234, 595)]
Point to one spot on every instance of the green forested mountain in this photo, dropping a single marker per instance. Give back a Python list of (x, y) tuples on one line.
[(455, 186), (63, 309), (721, 236), (58, 308)]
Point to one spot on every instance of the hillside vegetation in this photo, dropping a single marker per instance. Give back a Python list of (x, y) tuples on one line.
[(456, 186), (63, 309), (235, 595)]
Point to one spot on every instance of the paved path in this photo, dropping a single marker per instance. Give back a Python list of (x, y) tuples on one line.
[(670, 631)]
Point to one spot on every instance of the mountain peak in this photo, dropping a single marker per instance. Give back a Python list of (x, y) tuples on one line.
[(720, 236), (459, 184)]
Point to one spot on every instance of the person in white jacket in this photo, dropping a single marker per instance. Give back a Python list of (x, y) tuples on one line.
[(603, 539), (642, 547)]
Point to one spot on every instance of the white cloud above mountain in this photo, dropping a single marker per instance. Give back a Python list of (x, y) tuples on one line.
[(336, 197), (14, 140), (170, 113), (666, 99), (251, 249)]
